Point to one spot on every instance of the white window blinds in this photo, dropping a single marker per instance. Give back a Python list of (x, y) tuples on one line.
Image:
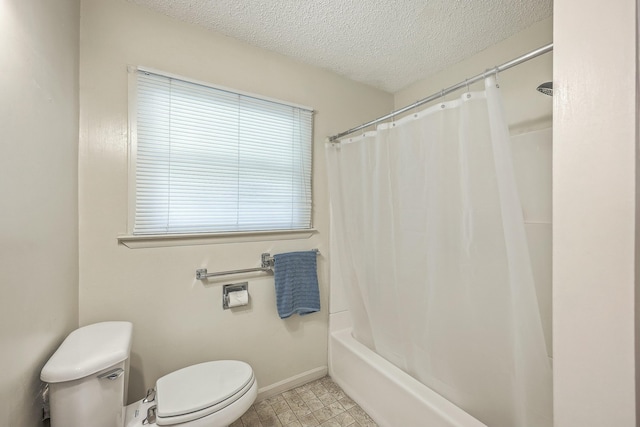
[(210, 160)]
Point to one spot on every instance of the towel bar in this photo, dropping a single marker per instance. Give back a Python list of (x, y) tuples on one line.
[(266, 266)]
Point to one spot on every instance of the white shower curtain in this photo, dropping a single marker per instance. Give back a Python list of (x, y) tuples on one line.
[(429, 245)]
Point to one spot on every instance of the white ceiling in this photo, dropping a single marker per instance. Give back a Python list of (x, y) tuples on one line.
[(388, 44)]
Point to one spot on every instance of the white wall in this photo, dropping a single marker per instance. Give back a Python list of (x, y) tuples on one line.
[(178, 321), (594, 215), (38, 183)]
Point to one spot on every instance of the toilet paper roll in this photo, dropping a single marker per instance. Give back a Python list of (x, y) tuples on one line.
[(238, 298)]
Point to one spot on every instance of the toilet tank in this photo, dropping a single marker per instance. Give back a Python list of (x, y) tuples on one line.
[(88, 376)]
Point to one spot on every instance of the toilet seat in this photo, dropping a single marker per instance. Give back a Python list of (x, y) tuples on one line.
[(200, 390)]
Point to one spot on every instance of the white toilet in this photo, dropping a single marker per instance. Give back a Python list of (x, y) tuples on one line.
[(88, 377)]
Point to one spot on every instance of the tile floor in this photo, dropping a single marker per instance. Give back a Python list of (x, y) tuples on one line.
[(318, 403)]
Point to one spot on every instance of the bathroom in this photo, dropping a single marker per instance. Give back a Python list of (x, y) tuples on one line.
[(66, 117)]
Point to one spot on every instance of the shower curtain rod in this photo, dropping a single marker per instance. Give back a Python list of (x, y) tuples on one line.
[(517, 61)]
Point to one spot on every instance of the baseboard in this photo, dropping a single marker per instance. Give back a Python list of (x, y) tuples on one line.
[(290, 383)]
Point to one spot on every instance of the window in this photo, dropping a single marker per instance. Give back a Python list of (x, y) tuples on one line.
[(209, 160)]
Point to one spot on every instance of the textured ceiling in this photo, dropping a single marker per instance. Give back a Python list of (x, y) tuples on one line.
[(388, 44)]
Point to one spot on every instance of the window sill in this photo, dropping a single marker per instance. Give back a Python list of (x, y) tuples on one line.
[(158, 241)]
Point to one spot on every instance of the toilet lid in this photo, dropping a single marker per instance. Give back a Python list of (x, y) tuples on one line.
[(198, 390)]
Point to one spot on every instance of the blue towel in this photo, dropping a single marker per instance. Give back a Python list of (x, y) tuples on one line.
[(296, 280)]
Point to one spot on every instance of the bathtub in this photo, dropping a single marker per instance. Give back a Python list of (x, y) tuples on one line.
[(389, 395)]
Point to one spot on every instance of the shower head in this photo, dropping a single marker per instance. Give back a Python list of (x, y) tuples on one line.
[(546, 88)]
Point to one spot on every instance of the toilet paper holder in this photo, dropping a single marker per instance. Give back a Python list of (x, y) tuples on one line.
[(232, 287)]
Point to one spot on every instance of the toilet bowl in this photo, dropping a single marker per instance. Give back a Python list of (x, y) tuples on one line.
[(88, 377)]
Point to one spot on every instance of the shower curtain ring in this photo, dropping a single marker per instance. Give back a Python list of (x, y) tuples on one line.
[(373, 128), (415, 104), (442, 96), (497, 71), (466, 83)]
